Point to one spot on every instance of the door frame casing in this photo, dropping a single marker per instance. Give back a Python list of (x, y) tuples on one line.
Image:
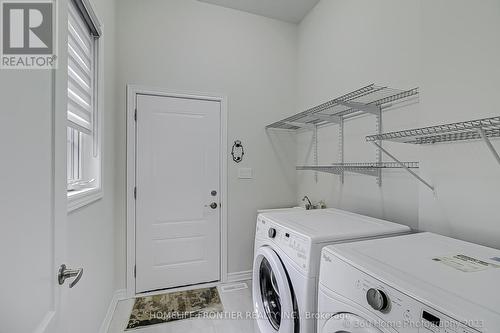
[(132, 92)]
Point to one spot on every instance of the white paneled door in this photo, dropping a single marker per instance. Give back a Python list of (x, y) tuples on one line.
[(178, 220)]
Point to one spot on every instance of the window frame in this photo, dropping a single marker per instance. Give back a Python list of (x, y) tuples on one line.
[(90, 148), (74, 155)]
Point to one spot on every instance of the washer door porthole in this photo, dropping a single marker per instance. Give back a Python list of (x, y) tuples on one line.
[(273, 297), (270, 294)]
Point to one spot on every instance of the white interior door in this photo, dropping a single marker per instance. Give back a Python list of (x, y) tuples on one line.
[(32, 204), (178, 190), (31, 247)]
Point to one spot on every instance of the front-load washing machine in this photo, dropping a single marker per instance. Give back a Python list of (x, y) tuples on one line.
[(286, 261), (422, 283)]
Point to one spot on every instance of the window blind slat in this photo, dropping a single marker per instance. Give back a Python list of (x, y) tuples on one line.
[(80, 92), (76, 79), (79, 59), (76, 108), (77, 120), (75, 69), (79, 48), (79, 100), (76, 123), (79, 34)]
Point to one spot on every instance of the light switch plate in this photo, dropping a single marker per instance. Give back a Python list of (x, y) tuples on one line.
[(245, 173)]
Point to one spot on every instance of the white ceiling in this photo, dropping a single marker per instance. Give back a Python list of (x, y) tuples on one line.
[(292, 11)]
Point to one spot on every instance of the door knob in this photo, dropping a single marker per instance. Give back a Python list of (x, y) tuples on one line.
[(65, 273), (213, 205)]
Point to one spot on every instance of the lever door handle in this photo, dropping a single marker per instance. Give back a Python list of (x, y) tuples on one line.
[(65, 273)]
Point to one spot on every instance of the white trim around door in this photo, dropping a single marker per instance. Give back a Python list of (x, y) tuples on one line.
[(132, 92)]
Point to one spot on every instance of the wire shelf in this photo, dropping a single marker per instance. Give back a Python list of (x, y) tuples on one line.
[(371, 168), (466, 130), (368, 99)]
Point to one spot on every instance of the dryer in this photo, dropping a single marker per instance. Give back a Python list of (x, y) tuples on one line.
[(419, 283), (288, 244)]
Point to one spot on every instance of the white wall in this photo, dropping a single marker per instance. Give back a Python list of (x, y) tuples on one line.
[(460, 52), (185, 45), (344, 45), (448, 48), (91, 229)]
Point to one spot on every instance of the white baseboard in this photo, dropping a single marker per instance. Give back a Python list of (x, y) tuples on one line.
[(117, 296), (239, 276)]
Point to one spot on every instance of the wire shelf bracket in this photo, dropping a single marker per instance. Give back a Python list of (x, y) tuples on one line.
[(487, 141), (403, 166)]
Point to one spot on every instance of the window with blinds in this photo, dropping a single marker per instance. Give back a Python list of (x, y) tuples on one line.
[(83, 160), (81, 73)]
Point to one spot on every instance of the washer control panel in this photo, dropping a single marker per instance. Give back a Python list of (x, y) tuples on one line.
[(398, 310), (295, 246)]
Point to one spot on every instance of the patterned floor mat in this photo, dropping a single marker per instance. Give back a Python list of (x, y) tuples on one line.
[(159, 309)]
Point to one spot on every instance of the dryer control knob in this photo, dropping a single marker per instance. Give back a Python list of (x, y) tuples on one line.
[(378, 300), (271, 233)]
